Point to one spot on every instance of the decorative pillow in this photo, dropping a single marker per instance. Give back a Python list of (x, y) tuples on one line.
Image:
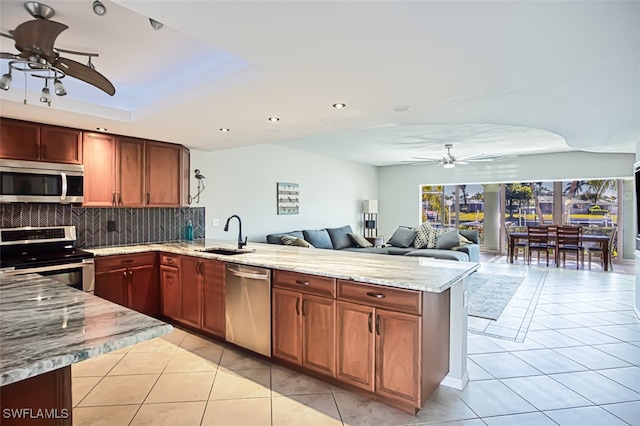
[(433, 235), (340, 237), (277, 238), (464, 240), (359, 240), (448, 240), (403, 237), (422, 235), (319, 238), (288, 240)]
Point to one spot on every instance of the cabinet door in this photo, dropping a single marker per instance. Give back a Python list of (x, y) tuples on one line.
[(191, 290), (213, 305), (20, 140), (99, 169), (398, 370), (356, 345), (163, 178), (286, 323), (170, 291), (143, 290), (113, 286), (185, 179), (60, 145), (318, 334), (130, 172)]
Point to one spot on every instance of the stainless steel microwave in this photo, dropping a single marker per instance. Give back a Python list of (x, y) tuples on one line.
[(39, 182)]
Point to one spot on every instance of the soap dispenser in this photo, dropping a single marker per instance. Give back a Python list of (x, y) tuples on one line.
[(189, 230)]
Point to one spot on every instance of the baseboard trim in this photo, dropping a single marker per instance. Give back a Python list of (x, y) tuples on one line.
[(455, 382)]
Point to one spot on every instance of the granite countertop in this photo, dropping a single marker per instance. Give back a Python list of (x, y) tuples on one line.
[(46, 325), (416, 273)]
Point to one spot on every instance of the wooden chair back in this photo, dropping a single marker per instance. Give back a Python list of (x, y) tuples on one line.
[(538, 235)]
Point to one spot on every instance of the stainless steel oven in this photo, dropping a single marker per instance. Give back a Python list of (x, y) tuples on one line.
[(39, 182), (47, 251)]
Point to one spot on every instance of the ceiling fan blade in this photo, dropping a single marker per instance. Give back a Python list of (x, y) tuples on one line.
[(38, 37), (6, 55), (468, 157), (485, 159), (464, 163), (82, 72), (426, 159)]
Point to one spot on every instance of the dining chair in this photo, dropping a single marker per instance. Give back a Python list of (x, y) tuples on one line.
[(518, 244), (568, 241), (600, 252), (538, 241)]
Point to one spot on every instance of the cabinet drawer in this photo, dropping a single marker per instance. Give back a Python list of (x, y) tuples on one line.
[(107, 263), (313, 284), (169, 259), (396, 299)]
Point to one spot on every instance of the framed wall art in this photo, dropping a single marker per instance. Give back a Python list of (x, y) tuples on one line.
[(288, 198)]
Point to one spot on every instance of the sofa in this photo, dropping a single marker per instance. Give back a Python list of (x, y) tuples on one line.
[(422, 241)]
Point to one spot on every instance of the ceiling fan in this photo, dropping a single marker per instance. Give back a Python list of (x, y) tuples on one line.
[(449, 161), (39, 58)]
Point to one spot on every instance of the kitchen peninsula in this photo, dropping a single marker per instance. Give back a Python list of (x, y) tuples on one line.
[(45, 326), (394, 327)]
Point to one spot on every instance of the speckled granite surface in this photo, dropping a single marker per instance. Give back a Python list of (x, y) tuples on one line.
[(424, 274), (46, 325)]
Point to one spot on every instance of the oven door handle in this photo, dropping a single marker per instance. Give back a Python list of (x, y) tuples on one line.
[(64, 186), (14, 271)]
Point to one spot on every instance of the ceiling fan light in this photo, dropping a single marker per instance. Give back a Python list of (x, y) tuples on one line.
[(59, 87), (5, 81), (99, 8), (45, 96), (449, 165)]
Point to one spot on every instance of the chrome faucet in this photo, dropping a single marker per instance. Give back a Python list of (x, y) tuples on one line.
[(226, 229)]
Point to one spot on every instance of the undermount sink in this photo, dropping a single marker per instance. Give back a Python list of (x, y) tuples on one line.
[(224, 251)]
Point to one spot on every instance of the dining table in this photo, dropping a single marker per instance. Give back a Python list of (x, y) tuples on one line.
[(602, 240)]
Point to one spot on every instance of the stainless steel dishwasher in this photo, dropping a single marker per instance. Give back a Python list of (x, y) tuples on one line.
[(248, 307)]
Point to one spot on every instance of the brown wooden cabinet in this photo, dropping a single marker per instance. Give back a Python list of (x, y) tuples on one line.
[(23, 140), (170, 292), (304, 323), (129, 280), (191, 290), (163, 174), (213, 297), (128, 172), (393, 342)]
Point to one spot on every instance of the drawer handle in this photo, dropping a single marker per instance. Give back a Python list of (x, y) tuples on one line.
[(169, 260), (126, 261), (302, 282), (376, 295)]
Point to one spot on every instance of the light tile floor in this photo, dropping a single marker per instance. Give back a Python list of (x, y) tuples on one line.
[(578, 364)]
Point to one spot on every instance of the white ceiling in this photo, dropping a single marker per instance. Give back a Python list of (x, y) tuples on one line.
[(512, 77)]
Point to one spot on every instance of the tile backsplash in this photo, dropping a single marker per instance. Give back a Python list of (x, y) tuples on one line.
[(133, 225)]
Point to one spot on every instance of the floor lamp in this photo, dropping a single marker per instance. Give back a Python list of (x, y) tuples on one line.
[(370, 210)]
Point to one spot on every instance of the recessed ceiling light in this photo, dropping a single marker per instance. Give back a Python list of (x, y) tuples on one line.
[(101, 129), (339, 105), (274, 119), (402, 108), (224, 129)]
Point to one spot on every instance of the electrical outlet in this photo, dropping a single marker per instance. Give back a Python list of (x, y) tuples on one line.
[(215, 222), (111, 226)]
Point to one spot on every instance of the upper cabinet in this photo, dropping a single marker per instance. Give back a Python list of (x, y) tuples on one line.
[(22, 140), (129, 172)]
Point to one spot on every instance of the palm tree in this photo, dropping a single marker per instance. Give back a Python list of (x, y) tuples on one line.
[(463, 189), (597, 188), (536, 189)]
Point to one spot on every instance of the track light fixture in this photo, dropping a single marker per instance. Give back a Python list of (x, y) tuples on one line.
[(99, 8), (155, 24)]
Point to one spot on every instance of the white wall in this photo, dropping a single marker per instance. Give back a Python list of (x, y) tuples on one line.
[(399, 190), (243, 181)]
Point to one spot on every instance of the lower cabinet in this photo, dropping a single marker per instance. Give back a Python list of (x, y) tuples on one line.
[(193, 292), (303, 325), (129, 280)]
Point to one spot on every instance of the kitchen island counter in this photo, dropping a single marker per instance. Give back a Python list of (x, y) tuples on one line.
[(46, 325), (414, 273)]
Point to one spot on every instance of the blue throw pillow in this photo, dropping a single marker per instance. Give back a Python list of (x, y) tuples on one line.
[(403, 237), (340, 237), (319, 238)]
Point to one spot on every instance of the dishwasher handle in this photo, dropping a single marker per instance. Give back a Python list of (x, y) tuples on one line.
[(245, 274)]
